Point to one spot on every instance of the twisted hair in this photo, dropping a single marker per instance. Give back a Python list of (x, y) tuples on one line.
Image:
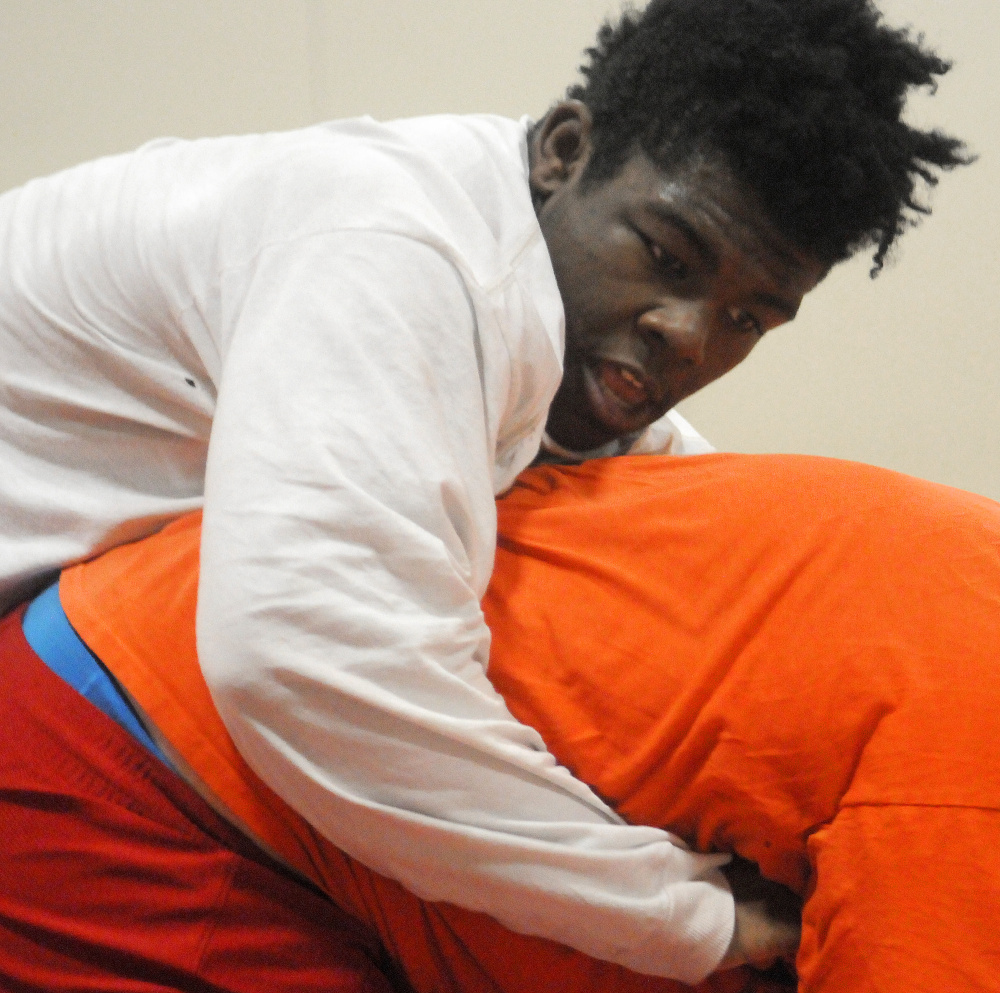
[(800, 99)]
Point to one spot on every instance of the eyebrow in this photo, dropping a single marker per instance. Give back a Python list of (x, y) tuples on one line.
[(783, 307), (709, 255), (670, 216)]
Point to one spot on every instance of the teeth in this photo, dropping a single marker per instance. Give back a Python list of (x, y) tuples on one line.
[(627, 386), (631, 378)]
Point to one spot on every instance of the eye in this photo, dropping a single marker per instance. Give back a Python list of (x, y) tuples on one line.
[(747, 323), (665, 261)]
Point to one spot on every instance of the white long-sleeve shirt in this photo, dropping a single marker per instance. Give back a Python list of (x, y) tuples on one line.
[(356, 329)]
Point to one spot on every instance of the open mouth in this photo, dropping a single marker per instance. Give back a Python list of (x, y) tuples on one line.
[(622, 397), (630, 388)]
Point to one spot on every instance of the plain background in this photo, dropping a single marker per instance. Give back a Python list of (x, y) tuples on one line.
[(900, 371)]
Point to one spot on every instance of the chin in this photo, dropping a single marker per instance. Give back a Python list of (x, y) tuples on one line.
[(630, 425)]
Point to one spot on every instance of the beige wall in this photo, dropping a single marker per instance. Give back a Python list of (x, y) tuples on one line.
[(901, 371)]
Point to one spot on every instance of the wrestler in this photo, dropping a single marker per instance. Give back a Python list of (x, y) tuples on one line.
[(790, 658), (344, 341)]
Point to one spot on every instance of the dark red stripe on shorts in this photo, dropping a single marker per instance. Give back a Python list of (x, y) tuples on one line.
[(116, 876)]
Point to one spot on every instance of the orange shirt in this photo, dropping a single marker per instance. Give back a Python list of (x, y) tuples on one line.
[(759, 652), (135, 609)]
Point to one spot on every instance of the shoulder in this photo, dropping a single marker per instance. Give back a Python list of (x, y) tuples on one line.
[(458, 184)]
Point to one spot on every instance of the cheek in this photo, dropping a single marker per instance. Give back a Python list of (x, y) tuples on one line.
[(729, 351), (589, 300), (575, 277), (590, 276)]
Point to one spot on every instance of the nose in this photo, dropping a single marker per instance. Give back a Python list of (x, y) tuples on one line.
[(683, 326)]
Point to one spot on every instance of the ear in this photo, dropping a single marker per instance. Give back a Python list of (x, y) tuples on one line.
[(560, 147)]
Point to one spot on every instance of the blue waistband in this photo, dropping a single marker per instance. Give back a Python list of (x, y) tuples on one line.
[(52, 638)]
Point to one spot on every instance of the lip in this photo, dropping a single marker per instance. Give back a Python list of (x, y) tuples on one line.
[(622, 396)]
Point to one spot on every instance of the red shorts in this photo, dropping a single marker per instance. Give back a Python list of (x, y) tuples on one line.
[(116, 876)]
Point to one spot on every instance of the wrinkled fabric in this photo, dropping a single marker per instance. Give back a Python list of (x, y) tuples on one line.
[(342, 341), (788, 657), (116, 876), (791, 658)]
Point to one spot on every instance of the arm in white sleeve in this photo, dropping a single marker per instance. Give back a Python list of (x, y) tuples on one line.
[(349, 533)]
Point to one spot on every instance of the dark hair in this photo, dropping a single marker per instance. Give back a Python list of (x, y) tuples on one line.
[(801, 100)]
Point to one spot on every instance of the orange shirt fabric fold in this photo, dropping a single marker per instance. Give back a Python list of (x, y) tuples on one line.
[(788, 657)]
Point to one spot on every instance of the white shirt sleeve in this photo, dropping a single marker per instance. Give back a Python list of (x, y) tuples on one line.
[(348, 536)]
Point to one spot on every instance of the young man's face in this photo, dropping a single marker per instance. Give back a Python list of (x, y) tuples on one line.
[(668, 280)]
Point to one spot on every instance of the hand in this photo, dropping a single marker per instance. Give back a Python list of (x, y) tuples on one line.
[(768, 918)]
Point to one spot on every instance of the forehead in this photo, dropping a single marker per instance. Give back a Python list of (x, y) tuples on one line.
[(704, 204)]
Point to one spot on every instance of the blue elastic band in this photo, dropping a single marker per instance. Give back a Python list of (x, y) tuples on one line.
[(52, 638)]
